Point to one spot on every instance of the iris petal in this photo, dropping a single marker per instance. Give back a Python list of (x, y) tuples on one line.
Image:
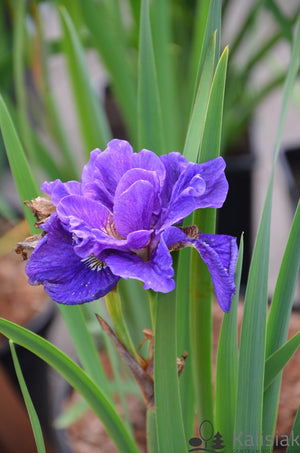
[(157, 273), (102, 174), (190, 186), (58, 189), (124, 211), (220, 253), (66, 277), (133, 208)]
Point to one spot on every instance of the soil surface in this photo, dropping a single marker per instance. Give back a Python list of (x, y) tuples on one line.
[(19, 301)]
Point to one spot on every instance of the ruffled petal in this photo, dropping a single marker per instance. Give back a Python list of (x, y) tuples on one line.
[(174, 164), (147, 160), (58, 189), (132, 266), (102, 174), (89, 171), (93, 228), (86, 219), (189, 186), (133, 208), (135, 175), (185, 196), (157, 273), (75, 210), (66, 277), (213, 173), (220, 253)]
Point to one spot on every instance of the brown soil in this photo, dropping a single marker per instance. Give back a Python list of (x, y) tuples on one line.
[(19, 301), (87, 435)]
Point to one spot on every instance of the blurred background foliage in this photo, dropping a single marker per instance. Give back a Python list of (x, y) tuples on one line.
[(110, 28)]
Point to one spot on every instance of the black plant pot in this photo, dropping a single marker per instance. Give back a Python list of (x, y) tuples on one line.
[(35, 372), (290, 158), (235, 217)]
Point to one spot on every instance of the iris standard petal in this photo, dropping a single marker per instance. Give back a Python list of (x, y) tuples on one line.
[(189, 186), (92, 184), (140, 174), (148, 160), (174, 164), (220, 253), (102, 174), (133, 208), (66, 277), (89, 171), (216, 183), (185, 196), (58, 189)]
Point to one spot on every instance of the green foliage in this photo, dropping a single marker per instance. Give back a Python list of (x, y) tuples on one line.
[(23, 178), (36, 427), (91, 118), (77, 378), (168, 79), (227, 364)]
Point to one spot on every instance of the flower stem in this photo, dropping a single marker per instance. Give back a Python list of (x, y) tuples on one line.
[(114, 307)]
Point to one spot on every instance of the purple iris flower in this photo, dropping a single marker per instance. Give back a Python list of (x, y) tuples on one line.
[(123, 220)]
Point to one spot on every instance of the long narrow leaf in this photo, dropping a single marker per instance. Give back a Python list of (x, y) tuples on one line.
[(135, 309), (52, 117), (278, 320), (111, 46), (150, 127), (201, 16), (170, 431), (23, 178), (92, 120), (252, 349), (19, 77), (185, 320), (252, 346), (85, 346), (36, 427), (201, 325), (294, 443), (77, 378), (276, 362), (160, 14), (213, 26), (280, 17), (211, 141), (186, 383), (282, 301), (201, 286), (227, 364), (197, 121)]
